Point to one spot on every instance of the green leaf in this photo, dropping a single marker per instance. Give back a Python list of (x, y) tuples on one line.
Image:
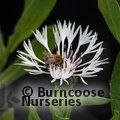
[(115, 86), (35, 12), (2, 46), (118, 2), (3, 54), (13, 72), (8, 115), (60, 112), (33, 115), (116, 116), (63, 112), (85, 101), (111, 12)]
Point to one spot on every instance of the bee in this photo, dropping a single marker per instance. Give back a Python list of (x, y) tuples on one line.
[(53, 59)]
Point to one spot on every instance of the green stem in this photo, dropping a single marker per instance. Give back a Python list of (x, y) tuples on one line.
[(62, 112)]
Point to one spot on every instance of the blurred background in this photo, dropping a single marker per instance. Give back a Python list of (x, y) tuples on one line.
[(84, 12)]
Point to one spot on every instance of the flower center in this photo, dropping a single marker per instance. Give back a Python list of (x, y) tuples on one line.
[(54, 59)]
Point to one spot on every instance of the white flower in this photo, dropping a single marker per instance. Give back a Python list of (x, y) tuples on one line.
[(72, 58)]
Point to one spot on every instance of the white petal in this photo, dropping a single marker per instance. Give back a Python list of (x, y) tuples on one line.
[(83, 81), (42, 38), (66, 81), (53, 80), (61, 81)]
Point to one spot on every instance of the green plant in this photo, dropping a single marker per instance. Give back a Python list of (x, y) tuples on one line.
[(34, 14), (111, 12)]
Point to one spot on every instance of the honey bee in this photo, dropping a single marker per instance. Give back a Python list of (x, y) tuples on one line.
[(53, 59)]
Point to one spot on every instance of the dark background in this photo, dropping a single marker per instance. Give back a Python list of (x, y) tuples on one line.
[(84, 12)]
